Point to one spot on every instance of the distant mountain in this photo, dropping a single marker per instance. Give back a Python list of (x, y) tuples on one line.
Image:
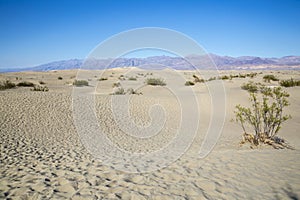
[(160, 62)]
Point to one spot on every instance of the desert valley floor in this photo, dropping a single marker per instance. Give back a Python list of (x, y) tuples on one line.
[(42, 156)]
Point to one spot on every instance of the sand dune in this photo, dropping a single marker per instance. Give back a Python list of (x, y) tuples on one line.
[(44, 157)]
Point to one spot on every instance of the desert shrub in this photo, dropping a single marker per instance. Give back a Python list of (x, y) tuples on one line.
[(25, 84), (233, 76), (251, 75), (289, 83), (265, 116), (102, 79), (6, 85), (242, 76), (225, 77), (40, 88), (250, 87), (42, 82), (119, 91), (155, 81), (197, 79), (117, 84), (212, 78), (132, 91), (270, 77), (132, 79), (60, 78), (80, 83), (189, 83)]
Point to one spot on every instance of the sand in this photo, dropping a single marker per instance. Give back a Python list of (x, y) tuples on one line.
[(42, 155)]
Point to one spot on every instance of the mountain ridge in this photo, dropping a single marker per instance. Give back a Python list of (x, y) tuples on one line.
[(161, 62)]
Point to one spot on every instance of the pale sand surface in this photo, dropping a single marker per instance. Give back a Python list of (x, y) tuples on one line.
[(42, 157)]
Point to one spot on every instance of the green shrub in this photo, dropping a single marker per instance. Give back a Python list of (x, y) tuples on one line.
[(6, 85), (80, 83), (265, 116), (132, 79), (289, 83), (155, 81), (40, 88), (270, 77), (25, 84), (250, 87), (189, 83)]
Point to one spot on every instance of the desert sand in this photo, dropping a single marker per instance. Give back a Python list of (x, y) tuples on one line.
[(43, 157)]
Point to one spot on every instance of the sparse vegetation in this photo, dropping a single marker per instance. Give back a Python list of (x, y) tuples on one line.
[(189, 83), (132, 79), (102, 79), (250, 87), (270, 77), (132, 91), (119, 91), (42, 82), (40, 88), (80, 83), (197, 79), (25, 84), (289, 83), (6, 85), (242, 76), (60, 78), (117, 84), (212, 79), (265, 116), (155, 81), (225, 77)]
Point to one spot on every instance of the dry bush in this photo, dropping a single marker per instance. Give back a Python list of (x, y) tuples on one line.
[(6, 85), (155, 81), (80, 83)]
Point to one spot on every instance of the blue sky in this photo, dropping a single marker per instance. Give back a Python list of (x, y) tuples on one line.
[(40, 31)]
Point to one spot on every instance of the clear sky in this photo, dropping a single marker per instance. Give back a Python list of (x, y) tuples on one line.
[(33, 32)]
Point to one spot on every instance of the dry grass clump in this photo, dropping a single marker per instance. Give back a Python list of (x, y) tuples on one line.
[(197, 79), (155, 82), (103, 79), (117, 84), (189, 83), (6, 85), (132, 79), (119, 91), (40, 88), (80, 83)]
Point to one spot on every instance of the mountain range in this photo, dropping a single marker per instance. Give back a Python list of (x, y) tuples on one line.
[(160, 62)]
